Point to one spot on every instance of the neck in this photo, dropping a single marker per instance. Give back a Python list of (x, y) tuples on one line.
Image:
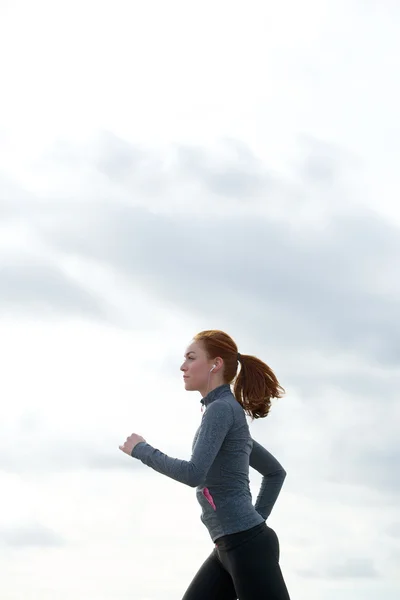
[(210, 387)]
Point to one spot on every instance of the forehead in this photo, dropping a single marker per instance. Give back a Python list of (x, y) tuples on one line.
[(194, 348)]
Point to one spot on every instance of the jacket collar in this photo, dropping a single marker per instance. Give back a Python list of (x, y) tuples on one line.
[(215, 394)]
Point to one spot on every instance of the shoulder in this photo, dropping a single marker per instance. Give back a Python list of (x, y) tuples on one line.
[(221, 409)]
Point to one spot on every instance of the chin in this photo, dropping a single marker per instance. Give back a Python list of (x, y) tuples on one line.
[(189, 387)]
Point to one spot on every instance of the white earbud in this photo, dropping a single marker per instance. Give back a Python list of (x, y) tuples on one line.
[(212, 368)]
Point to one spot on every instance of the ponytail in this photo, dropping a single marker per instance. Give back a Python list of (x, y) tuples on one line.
[(255, 385)]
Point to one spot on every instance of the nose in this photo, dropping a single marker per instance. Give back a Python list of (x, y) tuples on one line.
[(182, 367)]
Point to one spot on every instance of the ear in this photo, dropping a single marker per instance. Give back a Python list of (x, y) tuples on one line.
[(219, 363)]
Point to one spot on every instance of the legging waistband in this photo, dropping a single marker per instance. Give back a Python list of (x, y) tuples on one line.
[(227, 542)]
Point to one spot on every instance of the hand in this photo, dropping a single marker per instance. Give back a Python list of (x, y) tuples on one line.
[(131, 442)]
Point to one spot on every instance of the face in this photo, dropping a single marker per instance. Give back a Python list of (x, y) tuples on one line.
[(196, 367)]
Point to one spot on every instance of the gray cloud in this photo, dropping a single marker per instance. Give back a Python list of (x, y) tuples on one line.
[(46, 453), (373, 463), (36, 535), (109, 154), (353, 568), (328, 289), (238, 174), (324, 163), (348, 568), (64, 457), (118, 159), (393, 530), (304, 290), (14, 199), (45, 288)]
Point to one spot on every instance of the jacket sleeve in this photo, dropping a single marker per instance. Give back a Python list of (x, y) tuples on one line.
[(216, 422), (273, 477)]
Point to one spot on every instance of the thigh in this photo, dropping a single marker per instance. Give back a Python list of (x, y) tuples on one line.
[(255, 570), (211, 582)]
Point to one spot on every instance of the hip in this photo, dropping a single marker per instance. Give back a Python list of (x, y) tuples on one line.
[(259, 538)]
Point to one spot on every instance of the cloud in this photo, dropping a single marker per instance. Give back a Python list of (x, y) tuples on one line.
[(329, 288), (231, 170), (356, 568), (31, 535), (273, 251), (13, 197), (53, 446), (34, 286), (393, 530), (353, 568), (373, 463), (319, 292), (325, 164), (52, 456)]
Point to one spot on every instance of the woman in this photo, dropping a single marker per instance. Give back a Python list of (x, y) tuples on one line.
[(245, 561)]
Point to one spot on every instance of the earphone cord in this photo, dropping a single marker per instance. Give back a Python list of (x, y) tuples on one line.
[(208, 388)]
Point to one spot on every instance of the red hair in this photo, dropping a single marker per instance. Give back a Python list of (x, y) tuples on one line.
[(255, 384)]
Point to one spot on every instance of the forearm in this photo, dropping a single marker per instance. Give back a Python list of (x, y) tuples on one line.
[(271, 486), (180, 470), (214, 427)]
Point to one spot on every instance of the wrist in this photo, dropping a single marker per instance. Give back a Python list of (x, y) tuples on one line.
[(136, 449)]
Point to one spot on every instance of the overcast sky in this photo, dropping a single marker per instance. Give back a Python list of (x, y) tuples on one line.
[(167, 167)]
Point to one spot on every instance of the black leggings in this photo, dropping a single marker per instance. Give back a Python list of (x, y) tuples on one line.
[(242, 566)]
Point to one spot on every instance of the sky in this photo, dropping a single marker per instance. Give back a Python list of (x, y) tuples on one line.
[(169, 167)]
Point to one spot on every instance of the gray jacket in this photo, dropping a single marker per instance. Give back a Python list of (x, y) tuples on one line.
[(222, 451)]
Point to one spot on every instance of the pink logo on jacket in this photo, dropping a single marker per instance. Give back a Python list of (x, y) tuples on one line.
[(207, 495)]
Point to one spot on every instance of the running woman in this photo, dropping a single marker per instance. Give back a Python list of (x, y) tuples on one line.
[(244, 563)]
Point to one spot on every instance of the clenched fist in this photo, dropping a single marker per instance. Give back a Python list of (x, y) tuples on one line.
[(131, 442)]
